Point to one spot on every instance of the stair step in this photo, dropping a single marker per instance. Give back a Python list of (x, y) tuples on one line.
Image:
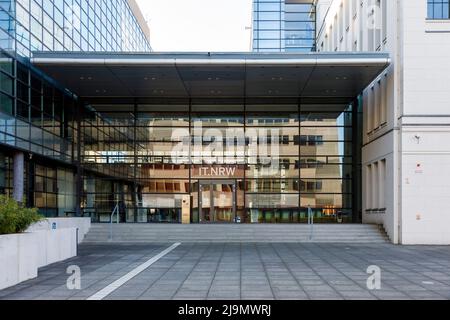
[(277, 233)]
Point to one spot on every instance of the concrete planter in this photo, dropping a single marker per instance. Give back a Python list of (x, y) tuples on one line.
[(21, 255), (82, 224), (18, 259)]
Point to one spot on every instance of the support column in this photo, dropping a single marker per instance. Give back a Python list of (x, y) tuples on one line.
[(18, 176)]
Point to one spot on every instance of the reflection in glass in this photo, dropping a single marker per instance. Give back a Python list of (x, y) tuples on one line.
[(277, 163)]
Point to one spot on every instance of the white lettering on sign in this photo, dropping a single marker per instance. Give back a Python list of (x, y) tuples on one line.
[(214, 172)]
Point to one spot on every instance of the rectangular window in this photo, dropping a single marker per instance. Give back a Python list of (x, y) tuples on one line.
[(375, 186), (355, 4), (438, 9), (341, 23), (384, 12), (369, 187), (381, 189), (376, 104), (366, 112), (346, 7), (384, 99)]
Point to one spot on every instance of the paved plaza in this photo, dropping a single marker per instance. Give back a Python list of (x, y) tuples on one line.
[(247, 271)]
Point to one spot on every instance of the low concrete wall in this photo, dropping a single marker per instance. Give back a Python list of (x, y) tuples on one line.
[(18, 259), (55, 245), (82, 224), (21, 255), (45, 243)]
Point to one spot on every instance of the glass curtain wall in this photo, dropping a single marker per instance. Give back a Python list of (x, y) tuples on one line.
[(37, 116), (283, 26), (243, 163), (48, 187), (77, 25)]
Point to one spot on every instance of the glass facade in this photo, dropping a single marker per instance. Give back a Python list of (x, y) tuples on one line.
[(284, 26), (438, 9), (75, 25), (36, 116), (243, 164), (237, 160), (39, 117)]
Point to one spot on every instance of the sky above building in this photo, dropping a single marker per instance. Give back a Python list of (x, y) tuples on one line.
[(199, 25)]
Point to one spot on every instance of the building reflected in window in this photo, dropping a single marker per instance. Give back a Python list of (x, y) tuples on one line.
[(246, 165)]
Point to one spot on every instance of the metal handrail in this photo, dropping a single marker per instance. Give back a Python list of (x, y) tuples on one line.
[(116, 209), (311, 223)]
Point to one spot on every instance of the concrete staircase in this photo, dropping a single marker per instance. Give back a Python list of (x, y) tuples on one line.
[(257, 233)]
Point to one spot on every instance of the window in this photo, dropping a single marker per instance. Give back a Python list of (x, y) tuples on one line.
[(280, 26), (438, 9), (369, 187), (382, 181), (346, 8), (355, 5)]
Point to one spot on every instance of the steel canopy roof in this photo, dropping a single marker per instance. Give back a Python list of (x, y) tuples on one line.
[(213, 75)]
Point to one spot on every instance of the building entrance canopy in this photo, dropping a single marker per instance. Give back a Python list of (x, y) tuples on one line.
[(244, 137), (322, 76)]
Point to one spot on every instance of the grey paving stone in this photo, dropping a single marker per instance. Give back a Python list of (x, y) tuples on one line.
[(249, 271), (225, 297), (291, 296)]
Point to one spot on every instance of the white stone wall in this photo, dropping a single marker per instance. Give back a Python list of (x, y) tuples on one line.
[(425, 127), (21, 255), (353, 25), (426, 185), (415, 101)]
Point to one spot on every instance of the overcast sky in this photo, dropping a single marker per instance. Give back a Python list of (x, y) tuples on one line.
[(198, 25)]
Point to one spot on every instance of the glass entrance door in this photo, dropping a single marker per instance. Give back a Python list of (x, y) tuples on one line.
[(217, 201)]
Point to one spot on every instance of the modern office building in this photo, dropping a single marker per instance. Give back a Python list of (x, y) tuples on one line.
[(39, 133), (339, 109), (246, 138), (284, 26)]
